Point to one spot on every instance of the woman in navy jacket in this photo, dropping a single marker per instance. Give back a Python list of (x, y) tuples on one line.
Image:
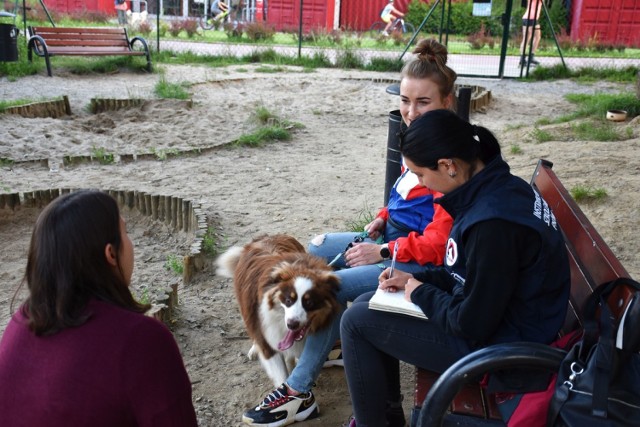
[(505, 276)]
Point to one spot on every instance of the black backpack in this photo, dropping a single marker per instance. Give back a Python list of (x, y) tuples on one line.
[(599, 380)]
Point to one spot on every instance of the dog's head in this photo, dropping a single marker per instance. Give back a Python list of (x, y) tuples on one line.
[(306, 289)]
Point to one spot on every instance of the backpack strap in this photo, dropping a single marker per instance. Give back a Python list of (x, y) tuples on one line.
[(603, 334)]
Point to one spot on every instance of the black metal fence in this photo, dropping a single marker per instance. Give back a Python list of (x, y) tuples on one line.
[(252, 26)]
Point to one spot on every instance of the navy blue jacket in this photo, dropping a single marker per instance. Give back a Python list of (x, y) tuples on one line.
[(506, 274)]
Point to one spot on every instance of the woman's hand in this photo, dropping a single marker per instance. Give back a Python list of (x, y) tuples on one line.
[(395, 283), (375, 228), (363, 254), (411, 285)]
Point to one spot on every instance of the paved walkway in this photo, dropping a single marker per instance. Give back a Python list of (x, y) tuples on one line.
[(465, 65)]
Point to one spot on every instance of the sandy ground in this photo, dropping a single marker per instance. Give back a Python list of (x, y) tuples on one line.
[(326, 176)]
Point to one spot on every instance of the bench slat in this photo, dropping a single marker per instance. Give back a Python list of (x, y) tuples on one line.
[(87, 37), (89, 43), (93, 52), (76, 30)]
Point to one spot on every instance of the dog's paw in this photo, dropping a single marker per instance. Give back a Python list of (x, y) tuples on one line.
[(252, 354)]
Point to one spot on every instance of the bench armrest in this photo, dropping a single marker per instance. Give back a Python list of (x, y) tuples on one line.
[(476, 364), (37, 45), (145, 47)]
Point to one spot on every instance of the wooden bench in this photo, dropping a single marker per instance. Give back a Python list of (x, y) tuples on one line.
[(54, 41), (457, 398)]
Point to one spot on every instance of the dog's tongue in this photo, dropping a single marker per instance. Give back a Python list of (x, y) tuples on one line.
[(290, 338)]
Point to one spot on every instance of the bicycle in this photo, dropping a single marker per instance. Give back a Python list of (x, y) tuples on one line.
[(208, 22), (398, 26)]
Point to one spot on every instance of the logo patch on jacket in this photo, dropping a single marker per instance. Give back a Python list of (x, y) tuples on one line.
[(451, 252)]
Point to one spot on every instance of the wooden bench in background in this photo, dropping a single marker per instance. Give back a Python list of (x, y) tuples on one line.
[(457, 399), (54, 41)]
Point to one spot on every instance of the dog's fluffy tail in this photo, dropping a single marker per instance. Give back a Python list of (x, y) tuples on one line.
[(227, 261)]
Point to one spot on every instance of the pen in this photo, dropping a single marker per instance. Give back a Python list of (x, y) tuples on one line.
[(393, 259)]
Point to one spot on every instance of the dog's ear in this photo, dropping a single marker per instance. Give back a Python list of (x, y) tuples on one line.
[(281, 272), (331, 280)]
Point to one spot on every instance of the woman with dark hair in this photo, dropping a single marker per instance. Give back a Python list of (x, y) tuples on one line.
[(505, 277), (79, 350)]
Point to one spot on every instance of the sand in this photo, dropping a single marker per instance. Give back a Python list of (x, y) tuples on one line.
[(326, 176)]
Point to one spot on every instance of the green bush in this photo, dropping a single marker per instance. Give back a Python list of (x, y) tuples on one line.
[(175, 28), (190, 26), (462, 20), (259, 31)]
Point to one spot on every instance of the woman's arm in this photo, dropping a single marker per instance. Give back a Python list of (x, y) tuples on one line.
[(427, 247), (474, 309)]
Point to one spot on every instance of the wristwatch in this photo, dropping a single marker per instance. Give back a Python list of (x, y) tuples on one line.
[(385, 253)]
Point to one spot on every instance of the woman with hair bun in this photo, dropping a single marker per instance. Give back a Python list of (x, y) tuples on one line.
[(505, 277)]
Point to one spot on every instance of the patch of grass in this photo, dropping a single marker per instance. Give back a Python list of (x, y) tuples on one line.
[(349, 59), (598, 104), (167, 90), (515, 126), (541, 135), (143, 297), (209, 242), (581, 193), (6, 162), (515, 149), (102, 155), (174, 263), (272, 128), (596, 131), (277, 69), (543, 121), (365, 216), (585, 74), (264, 135), (163, 154), (262, 115), (12, 103), (384, 64)]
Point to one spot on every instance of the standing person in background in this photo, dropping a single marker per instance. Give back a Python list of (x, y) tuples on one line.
[(388, 15), (531, 28), (505, 278), (121, 8), (80, 351), (427, 83)]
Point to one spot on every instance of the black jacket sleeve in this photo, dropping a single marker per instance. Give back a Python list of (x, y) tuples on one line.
[(495, 250)]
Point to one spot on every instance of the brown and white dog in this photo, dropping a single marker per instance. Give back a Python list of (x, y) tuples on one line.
[(283, 293)]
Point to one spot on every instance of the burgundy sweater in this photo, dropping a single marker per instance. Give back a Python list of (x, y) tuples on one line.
[(118, 369)]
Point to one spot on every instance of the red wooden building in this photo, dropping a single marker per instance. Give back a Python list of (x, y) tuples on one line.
[(358, 15), (66, 6), (612, 21)]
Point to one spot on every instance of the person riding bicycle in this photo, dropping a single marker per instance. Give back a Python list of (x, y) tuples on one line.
[(217, 7), (388, 15)]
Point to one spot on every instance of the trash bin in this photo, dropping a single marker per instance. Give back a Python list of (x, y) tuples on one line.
[(8, 40), (394, 158)]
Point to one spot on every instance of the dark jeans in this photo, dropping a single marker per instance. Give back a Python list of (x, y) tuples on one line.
[(372, 343)]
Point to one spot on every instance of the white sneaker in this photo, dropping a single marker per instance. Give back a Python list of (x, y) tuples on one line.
[(334, 358), (279, 408), (384, 33)]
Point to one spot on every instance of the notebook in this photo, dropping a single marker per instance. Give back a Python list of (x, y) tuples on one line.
[(394, 302)]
